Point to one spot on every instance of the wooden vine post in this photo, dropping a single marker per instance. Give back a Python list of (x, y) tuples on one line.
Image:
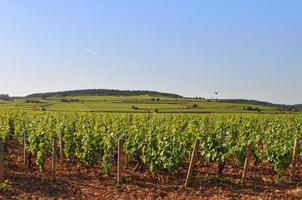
[(295, 158), (24, 149), (246, 163), (120, 160), (192, 161), (126, 161), (54, 159), (1, 161), (126, 158), (61, 146)]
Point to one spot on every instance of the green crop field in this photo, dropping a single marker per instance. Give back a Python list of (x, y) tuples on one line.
[(136, 104), (161, 141), (158, 136)]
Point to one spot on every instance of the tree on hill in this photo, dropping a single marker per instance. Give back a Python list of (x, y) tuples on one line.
[(4, 97)]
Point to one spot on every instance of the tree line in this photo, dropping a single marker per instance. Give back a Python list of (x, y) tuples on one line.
[(102, 92)]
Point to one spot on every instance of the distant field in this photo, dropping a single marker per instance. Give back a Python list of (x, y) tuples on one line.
[(132, 104)]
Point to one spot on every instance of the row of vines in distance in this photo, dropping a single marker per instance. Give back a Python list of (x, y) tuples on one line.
[(160, 141)]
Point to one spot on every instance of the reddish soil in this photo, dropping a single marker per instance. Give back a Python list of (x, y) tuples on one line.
[(79, 182)]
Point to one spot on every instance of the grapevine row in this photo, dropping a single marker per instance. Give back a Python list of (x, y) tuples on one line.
[(159, 141)]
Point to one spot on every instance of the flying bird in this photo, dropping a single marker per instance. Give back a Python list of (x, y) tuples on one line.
[(217, 92)]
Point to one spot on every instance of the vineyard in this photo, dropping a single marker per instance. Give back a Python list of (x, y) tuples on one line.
[(155, 142)]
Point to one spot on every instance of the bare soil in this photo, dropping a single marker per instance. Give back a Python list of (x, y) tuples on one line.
[(77, 181)]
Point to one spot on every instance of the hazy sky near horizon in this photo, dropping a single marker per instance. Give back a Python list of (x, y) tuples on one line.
[(248, 49)]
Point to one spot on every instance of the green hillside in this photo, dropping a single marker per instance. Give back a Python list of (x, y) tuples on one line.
[(143, 103)]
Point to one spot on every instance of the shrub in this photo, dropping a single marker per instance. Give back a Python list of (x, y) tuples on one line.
[(135, 108)]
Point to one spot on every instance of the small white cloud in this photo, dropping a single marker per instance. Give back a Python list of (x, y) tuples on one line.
[(90, 51)]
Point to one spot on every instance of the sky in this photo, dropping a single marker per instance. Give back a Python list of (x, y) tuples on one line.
[(249, 49)]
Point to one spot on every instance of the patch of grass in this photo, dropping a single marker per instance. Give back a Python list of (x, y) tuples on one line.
[(219, 179), (4, 186)]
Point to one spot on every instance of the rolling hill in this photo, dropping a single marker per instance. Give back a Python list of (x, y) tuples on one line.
[(138, 101), (102, 92)]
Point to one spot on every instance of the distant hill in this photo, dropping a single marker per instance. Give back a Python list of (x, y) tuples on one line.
[(297, 106), (263, 103), (113, 92), (102, 92)]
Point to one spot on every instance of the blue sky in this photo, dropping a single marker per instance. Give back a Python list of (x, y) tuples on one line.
[(248, 49)]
